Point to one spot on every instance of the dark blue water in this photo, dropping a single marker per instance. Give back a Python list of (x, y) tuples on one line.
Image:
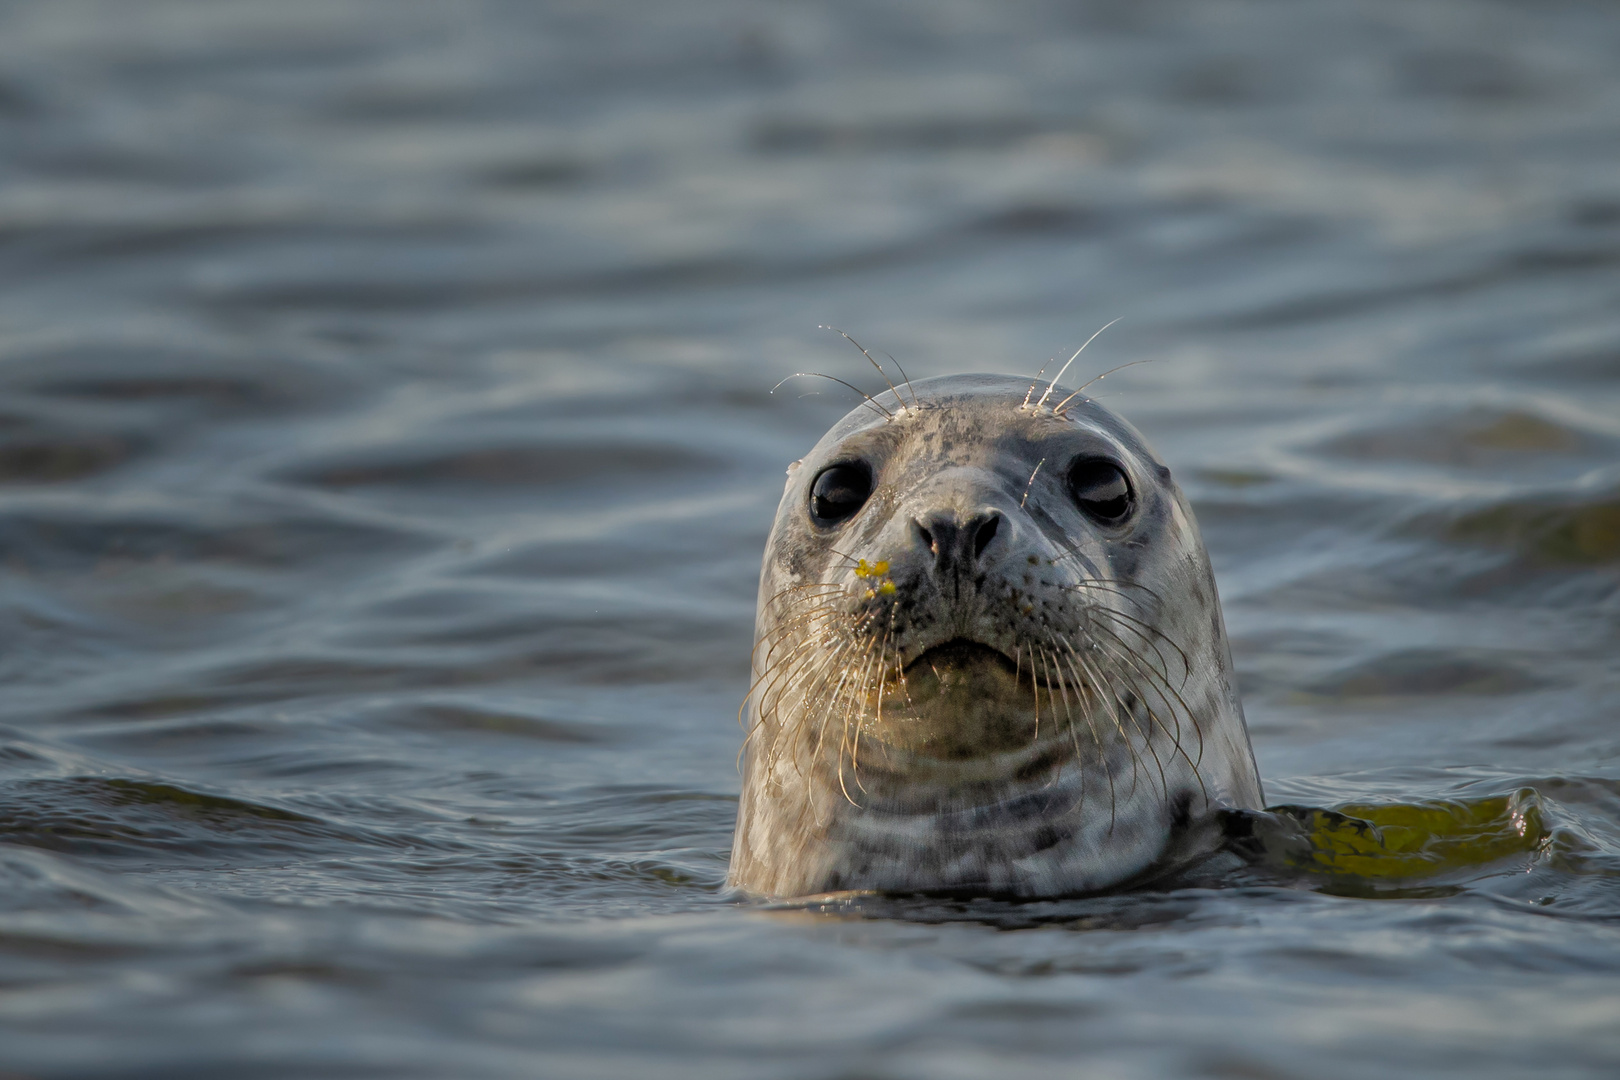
[(386, 452)]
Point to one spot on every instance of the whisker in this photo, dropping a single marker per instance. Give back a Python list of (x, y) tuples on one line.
[(843, 740), (1150, 636), (808, 676), (1031, 391), (1096, 737), (804, 620), (782, 675), (1109, 696), (1057, 409), (885, 374), (866, 690), (1108, 585), (916, 402), (821, 728), (1177, 708), (1154, 720), (1031, 483), (1065, 367), (1074, 736), (870, 400)]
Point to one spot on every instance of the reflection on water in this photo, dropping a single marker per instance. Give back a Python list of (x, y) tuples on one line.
[(386, 452)]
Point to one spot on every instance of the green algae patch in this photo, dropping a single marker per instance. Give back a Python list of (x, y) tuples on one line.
[(1360, 848)]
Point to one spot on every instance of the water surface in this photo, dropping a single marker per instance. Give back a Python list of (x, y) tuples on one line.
[(386, 451)]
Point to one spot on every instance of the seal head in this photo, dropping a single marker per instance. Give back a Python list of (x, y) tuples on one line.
[(989, 658)]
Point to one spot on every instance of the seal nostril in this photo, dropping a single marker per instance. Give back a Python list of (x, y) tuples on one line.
[(926, 537), (985, 534)]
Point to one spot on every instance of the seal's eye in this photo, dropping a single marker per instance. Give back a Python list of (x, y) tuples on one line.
[(1101, 490), (840, 491)]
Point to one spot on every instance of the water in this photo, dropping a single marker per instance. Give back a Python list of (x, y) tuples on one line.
[(386, 452)]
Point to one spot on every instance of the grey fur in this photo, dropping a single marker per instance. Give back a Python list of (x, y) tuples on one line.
[(1094, 759)]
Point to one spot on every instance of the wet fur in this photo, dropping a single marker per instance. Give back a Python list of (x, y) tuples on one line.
[(1099, 759)]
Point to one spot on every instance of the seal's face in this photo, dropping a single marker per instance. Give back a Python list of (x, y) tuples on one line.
[(989, 657)]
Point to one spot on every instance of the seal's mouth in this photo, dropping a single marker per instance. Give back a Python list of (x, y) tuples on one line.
[(962, 660), (957, 656)]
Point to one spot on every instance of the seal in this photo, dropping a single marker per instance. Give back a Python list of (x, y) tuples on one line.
[(989, 658)]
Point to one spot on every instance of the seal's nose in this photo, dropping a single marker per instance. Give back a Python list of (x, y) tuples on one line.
[(955, 544)]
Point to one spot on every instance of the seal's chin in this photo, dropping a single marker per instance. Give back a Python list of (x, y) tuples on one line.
[(959, 701)]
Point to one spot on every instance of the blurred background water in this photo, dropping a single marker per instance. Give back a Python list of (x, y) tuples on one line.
[(386, 453)]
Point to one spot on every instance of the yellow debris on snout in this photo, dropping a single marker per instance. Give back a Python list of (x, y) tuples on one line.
[(864, 569)]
